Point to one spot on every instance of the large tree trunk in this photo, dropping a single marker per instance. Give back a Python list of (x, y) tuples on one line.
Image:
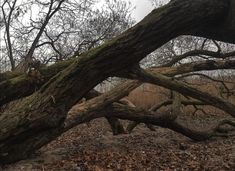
[(18, 85), (39, 118)]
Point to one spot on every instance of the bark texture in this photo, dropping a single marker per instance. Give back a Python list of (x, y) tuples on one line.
[(40, 117), (17, 85)]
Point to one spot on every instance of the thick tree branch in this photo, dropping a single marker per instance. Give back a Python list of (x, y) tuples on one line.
[(166, 120), (17, 85), (183, 88), (39, 118)]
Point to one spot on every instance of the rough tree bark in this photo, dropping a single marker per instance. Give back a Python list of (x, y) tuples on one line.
[(39, 118), (17, 85), (88, 111)]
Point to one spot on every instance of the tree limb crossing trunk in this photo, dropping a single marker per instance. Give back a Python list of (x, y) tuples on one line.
[(39, 118)]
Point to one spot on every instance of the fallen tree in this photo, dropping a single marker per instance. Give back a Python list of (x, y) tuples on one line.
[(17, 85), (103, 104), (41, 117)]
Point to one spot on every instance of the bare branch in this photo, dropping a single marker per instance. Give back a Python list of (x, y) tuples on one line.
[(199, 53), (183, 88)]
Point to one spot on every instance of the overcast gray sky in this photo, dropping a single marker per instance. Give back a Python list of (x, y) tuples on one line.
[(143, 7)]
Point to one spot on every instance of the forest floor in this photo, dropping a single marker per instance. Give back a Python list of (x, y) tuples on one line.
[(95, 148)]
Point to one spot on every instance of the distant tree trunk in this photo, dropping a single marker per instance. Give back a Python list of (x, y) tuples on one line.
[(7, 22)]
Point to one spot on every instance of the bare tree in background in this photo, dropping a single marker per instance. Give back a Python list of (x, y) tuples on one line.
[(8, 16), (54, 30)]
